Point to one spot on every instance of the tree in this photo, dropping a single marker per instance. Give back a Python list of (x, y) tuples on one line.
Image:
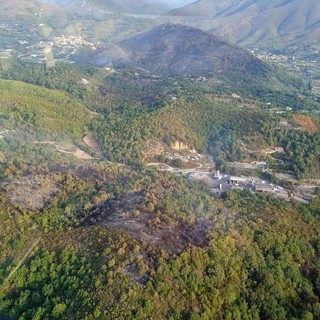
[(58, 310)]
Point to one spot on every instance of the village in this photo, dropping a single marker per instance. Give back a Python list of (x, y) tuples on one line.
[(39, 44), (307, 65)]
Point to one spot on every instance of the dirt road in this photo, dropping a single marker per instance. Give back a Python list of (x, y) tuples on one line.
[(21, 262)]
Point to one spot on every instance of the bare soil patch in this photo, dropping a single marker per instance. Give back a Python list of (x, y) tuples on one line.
[(68, 148), (90, 141), (153, 148), (306, 122), (30, 192)]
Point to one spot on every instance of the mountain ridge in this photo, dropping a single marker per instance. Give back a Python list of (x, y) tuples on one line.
[(250, 22), (116, 6), (27, 8), (176, 50)]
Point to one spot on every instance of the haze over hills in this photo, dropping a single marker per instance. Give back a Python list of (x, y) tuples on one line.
[(249, 22), (91, 238), (180, 180), (268, 24), (176, 50), (119, 6), (26, 8), (203, 8)]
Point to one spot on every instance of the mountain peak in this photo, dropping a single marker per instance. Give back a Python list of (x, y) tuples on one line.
[(176, 50)]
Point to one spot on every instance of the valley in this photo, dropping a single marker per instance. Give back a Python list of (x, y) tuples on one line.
[(43, 38), (150, 168)]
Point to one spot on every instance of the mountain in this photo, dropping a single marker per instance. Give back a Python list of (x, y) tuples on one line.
[(203, 8), (176, 50), (250, 22), (116, 6), (26, 8)]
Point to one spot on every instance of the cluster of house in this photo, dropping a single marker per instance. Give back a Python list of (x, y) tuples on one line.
[(243, 182)]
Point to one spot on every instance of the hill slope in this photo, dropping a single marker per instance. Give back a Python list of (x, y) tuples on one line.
[(120, 6), (203, 8), (256, 21), (175, 50), (26, 8), (111, 241)]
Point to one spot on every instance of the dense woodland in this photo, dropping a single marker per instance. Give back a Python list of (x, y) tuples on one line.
[(263, 251), (95, 240)]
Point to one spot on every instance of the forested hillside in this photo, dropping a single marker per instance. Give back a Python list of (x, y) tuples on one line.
[(136, 108), (263, 251), (90, 231)]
